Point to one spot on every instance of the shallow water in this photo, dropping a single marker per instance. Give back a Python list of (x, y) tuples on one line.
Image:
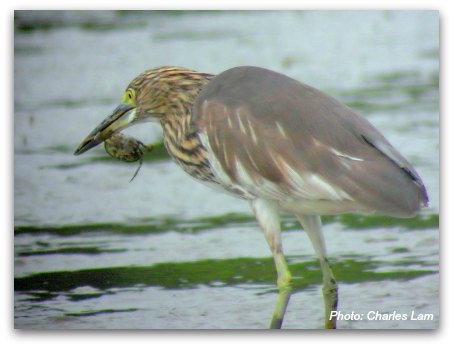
[(94, 251)]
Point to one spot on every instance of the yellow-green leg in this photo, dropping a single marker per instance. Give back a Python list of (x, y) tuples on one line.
[(284, 290), (313, 228), (267, 216)]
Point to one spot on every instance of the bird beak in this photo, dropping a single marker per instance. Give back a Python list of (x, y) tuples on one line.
[(122, 117)]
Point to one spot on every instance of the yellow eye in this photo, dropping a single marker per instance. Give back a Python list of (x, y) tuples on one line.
[(129, 95)]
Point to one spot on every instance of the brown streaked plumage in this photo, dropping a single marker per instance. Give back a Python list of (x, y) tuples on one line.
[(278, 143)]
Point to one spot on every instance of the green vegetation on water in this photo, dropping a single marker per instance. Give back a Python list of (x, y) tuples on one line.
[(171, 223), (210, 272)]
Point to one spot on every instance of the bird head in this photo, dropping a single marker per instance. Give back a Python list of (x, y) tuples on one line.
[(155, 94)]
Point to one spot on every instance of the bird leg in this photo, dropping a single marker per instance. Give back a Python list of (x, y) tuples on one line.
[(284, 289), (313, 228), (268, 218)]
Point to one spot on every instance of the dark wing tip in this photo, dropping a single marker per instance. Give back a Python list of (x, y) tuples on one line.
[(395, 157), (417, 180)]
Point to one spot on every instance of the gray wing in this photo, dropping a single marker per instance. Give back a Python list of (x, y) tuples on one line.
[(281, 139)]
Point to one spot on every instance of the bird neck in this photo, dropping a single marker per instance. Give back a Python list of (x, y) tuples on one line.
[(180, 137), (180, 98)]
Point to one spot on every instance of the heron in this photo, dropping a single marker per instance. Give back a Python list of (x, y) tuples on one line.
[(280, 144)]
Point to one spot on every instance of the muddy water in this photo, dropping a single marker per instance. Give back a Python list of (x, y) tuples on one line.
[(95, 251)]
